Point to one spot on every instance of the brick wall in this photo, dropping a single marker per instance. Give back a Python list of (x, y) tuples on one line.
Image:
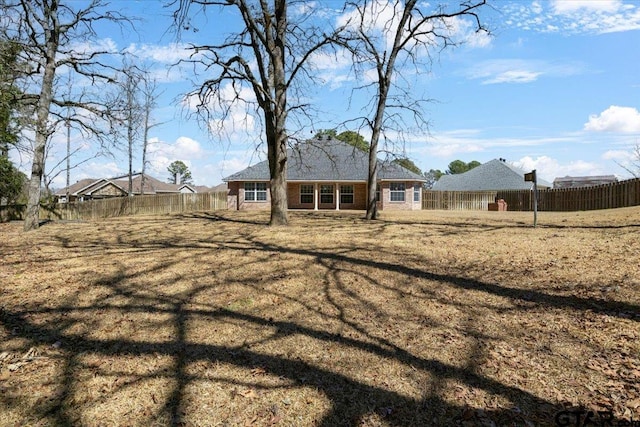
[(359, 197), (235, 198), (293, 197), (407, 205)]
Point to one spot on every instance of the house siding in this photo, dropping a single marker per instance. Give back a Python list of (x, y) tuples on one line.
[(109, 190)]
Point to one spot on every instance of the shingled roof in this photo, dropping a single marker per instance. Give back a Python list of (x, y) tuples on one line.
[(327, 160), (151, 186), (491, 176)]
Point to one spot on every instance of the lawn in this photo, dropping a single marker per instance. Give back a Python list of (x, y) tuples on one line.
[(416, 319)]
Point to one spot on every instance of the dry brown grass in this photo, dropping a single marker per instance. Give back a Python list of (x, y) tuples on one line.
[(426, 318)]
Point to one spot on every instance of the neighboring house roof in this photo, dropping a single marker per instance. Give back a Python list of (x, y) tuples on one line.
[(220, 187), (202, 188), (491, 176), (583, 181), (77, 187), (327, 160), (86, 187)]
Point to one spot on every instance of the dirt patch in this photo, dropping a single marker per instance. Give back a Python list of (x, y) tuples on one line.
[(421, 318)]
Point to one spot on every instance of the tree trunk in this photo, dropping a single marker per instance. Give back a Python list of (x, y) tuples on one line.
[(372, 182), (32, 215), (278, 157), (372, 179), (279, 206)]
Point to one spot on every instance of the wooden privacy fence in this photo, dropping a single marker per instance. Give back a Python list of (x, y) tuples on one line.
[(457, 200), (607, 196), (138, 205)]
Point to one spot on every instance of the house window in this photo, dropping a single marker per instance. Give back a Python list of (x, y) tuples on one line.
[(306, 193), (416, 193), (397, 191), (346, 194), (326, 194), (255, 191)]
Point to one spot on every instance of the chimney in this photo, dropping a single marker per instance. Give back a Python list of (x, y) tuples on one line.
[(178, 178)]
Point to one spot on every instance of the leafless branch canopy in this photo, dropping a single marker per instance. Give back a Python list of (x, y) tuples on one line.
[(54, 34), (242, 65), (398, 50)]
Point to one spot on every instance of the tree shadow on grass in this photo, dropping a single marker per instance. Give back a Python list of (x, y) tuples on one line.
[(352, 401)]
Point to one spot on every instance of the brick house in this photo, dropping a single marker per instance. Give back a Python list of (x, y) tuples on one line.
[(327, 174)]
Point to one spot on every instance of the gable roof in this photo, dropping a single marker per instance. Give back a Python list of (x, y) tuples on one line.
[(327, 160), (490, 176), (152, 185)]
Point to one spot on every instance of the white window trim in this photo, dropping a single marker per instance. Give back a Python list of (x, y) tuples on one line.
[(329, 193), (255, 191), (346, 193), (403, 192), (312, 193)]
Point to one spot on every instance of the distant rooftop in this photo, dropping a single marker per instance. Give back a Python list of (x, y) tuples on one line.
[(494, 175), (583, 181)]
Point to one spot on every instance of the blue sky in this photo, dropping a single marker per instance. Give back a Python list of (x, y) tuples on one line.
[(556, 88)]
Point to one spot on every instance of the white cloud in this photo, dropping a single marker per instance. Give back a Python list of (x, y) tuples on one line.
[(519, 71), (103, 45), (573, 16), (93, 170), (377, 16), (333, 69), (617, 155), (379, 19), (625, 159), (566, 7), (513, 76), (162, 154), (479, 39), (165, 54), (462, 141), (233, 165), (615, 119), (549, 168)]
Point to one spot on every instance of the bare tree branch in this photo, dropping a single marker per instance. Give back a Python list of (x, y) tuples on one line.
[(415, 30), (48, 31), (270, 57)]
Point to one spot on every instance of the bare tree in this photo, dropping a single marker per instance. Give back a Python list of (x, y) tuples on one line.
[(386, 36), (150, 96), (269, 56), (51, 34), (635, 159), (130, 112), (633, 165), (136, 98)]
